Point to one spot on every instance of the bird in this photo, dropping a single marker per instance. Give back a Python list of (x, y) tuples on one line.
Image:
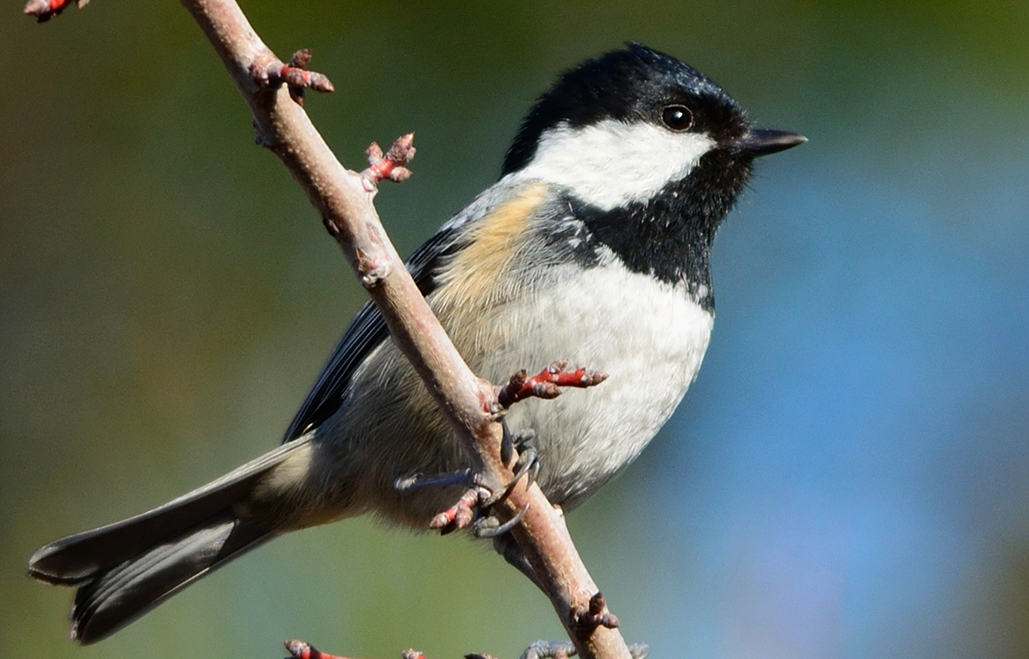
[(594, 245)]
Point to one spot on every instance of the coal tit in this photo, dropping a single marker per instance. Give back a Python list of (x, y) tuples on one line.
[(594, 246)]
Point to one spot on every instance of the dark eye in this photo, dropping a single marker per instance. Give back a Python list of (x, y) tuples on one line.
[(677, 117)]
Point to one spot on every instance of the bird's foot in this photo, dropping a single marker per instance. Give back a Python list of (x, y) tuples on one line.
[(527, 463), (545, 384), (479, 497), (473, 506), (489, 526), (463, 512)]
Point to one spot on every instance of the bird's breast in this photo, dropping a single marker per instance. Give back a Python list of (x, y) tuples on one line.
[(648, 336)]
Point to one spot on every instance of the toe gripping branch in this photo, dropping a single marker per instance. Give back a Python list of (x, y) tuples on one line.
[(473, 506)]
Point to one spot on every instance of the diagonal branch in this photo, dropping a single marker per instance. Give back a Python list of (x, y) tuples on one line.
[(44, 10), (538, 650), (345, 201)]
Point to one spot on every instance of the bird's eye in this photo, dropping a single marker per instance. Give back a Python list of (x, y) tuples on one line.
[(677, 117)]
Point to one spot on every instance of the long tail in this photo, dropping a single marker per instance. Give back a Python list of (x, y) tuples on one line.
[(127, 568)]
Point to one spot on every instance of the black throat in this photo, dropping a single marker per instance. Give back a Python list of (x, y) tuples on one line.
[(670, 236)]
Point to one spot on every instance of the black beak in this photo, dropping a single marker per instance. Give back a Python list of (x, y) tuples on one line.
[(763, 142)]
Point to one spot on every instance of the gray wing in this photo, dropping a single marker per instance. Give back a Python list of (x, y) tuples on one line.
[(365, 333), (368, 329)]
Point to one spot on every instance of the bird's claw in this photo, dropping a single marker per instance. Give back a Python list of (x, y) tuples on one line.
[(528, 457), (488, 526), (475, 503), (528, 462)]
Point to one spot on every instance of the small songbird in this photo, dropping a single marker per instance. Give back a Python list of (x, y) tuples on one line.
[(594, 246)]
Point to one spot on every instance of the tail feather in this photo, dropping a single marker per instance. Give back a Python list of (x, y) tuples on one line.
[(127, 591), (125, 569)]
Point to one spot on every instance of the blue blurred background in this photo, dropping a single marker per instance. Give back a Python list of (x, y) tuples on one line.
[(849, 477)]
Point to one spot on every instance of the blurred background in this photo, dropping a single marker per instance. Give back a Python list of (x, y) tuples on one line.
[(848, 478)]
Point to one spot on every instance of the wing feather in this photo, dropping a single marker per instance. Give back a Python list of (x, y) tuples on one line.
[(365, 333), (368, 329)]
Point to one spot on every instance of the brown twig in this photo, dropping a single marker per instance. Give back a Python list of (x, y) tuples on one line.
[(44, 10), (547, 383), (390, 165), (271, 72), (538, 650), (304, 650), (595, 614), (345, 203), (459, 515)]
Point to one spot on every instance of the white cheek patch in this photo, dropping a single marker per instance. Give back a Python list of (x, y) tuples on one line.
[(612, 163)]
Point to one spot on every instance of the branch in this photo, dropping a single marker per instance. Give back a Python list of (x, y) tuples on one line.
[(44, 10), (344, 200), (538, 650), (547, 383)]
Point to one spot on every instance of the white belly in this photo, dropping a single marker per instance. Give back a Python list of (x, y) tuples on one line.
[(648, 337)]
